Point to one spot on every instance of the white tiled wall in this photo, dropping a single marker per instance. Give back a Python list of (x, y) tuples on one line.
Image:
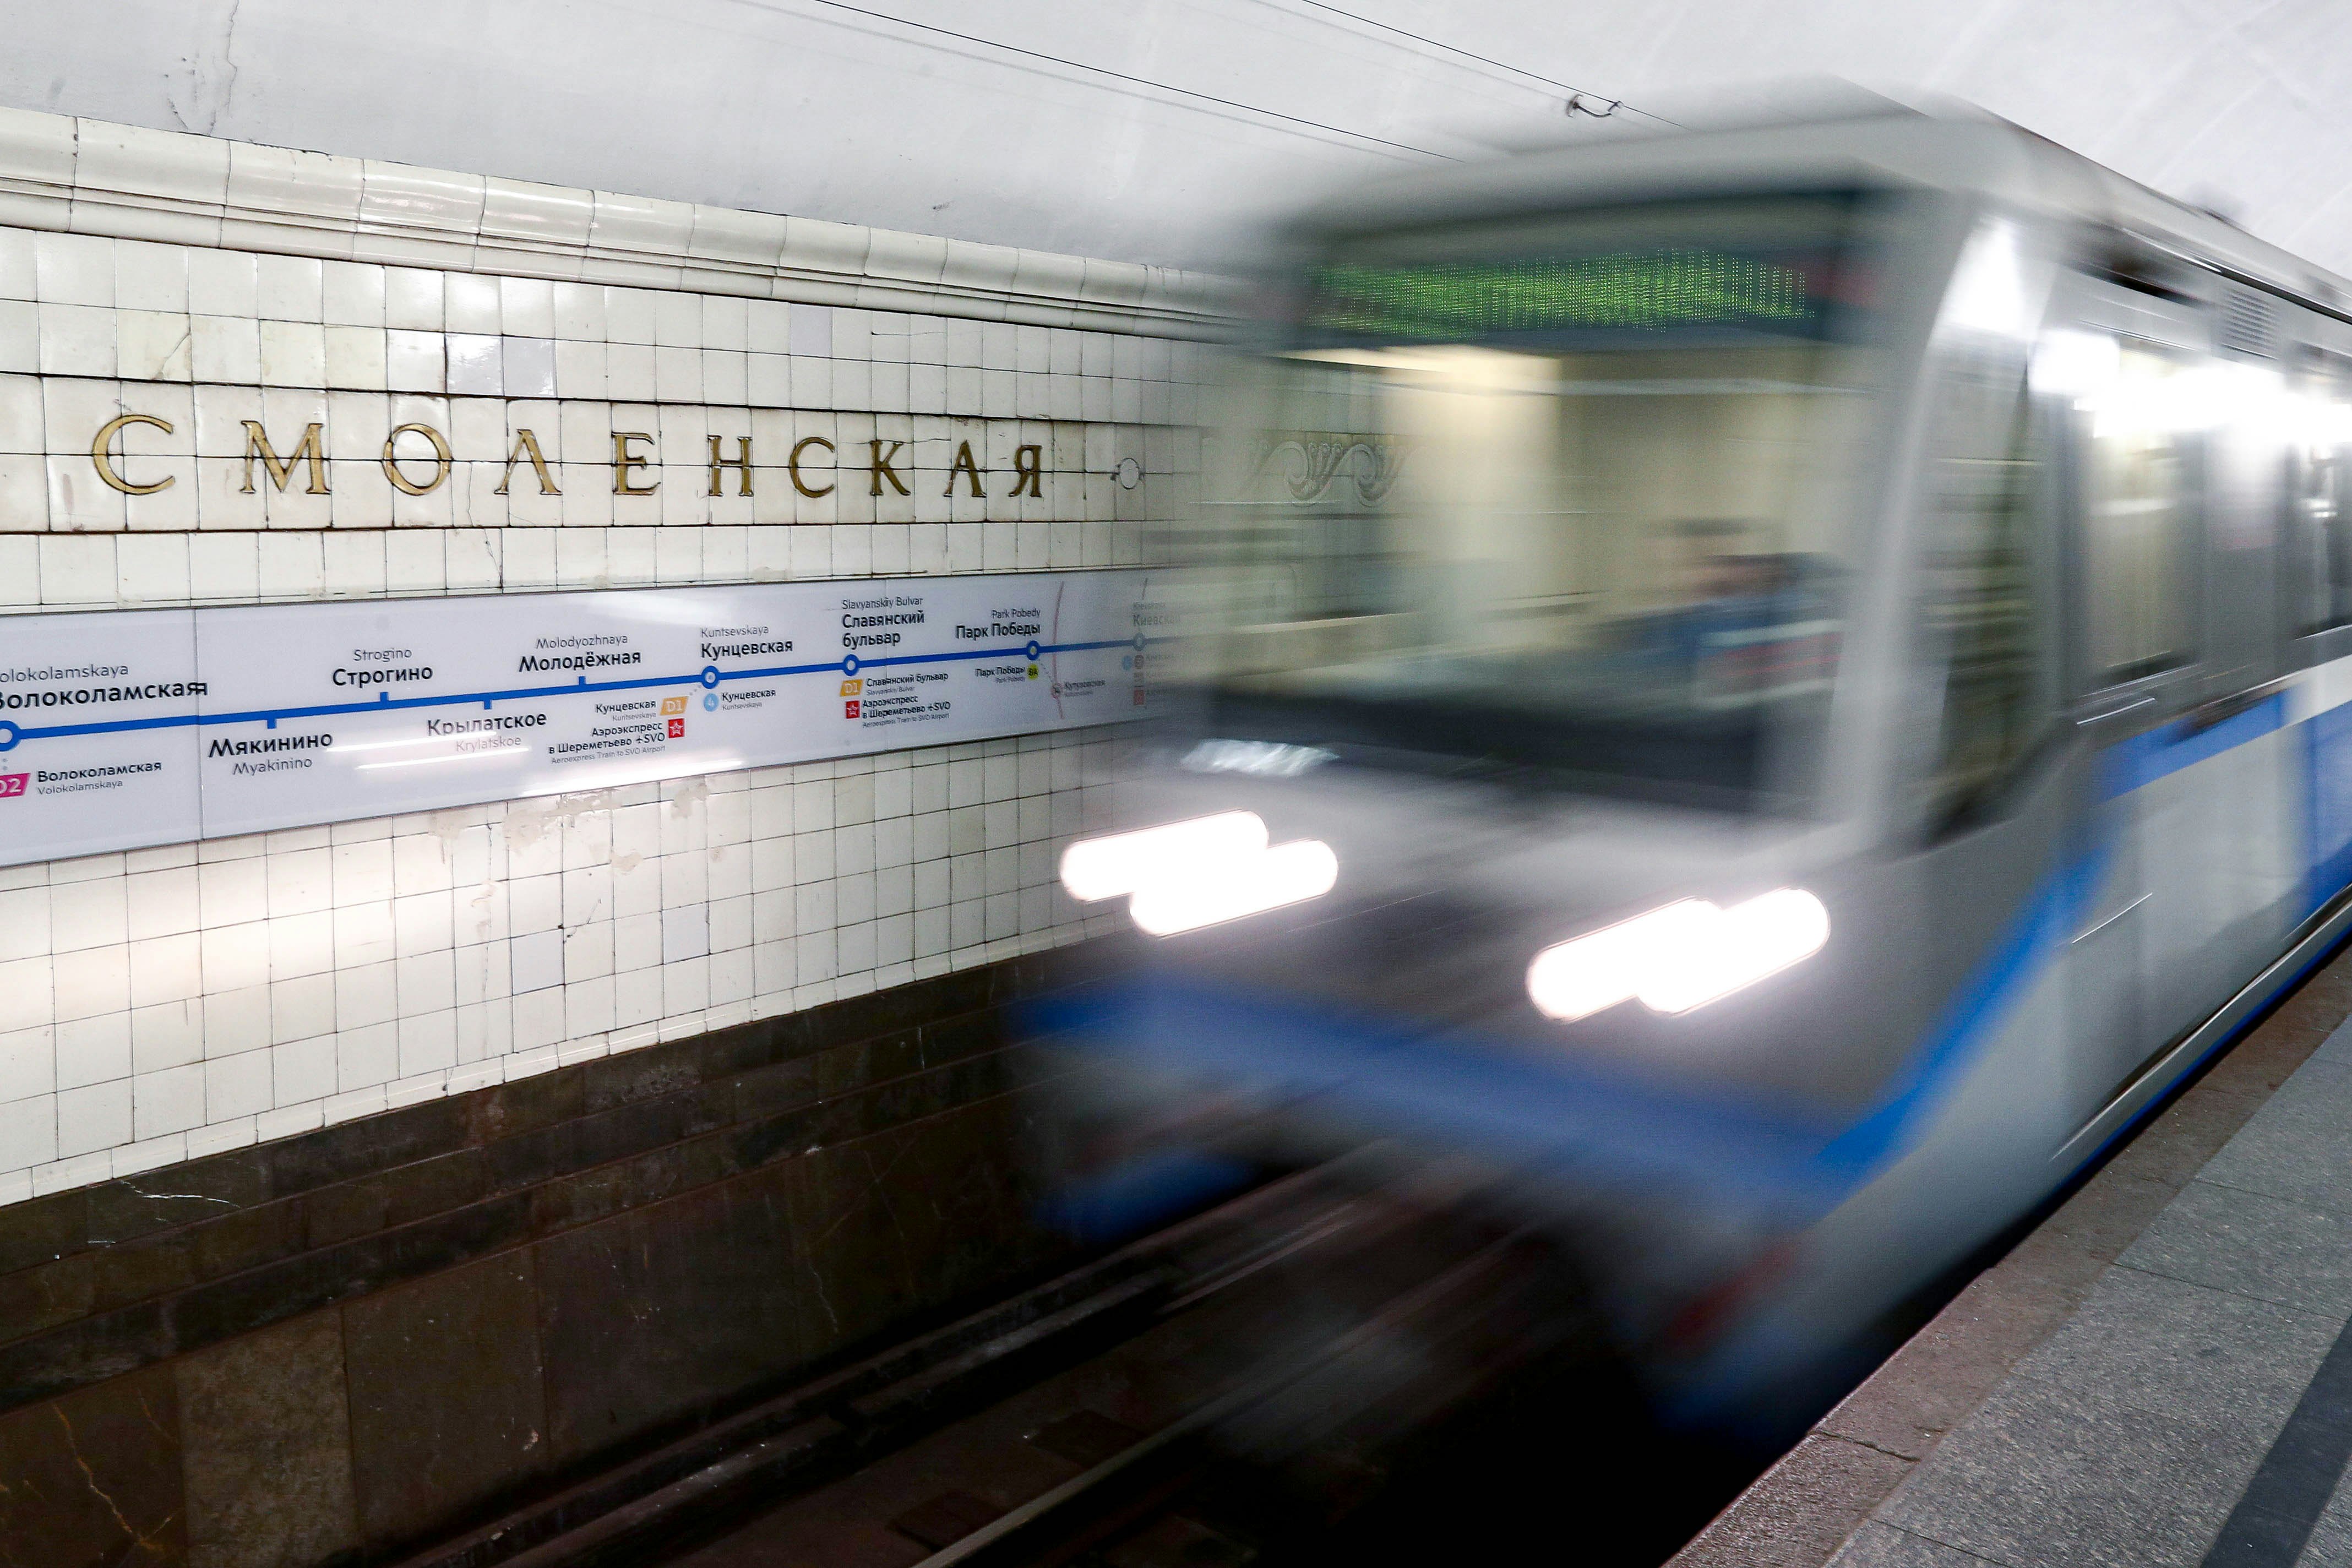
[(168, 1002)]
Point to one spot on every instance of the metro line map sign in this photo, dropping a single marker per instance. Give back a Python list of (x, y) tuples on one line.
[(126, 728)]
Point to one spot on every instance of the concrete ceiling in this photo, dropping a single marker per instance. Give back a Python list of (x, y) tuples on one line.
[(1147, 129)]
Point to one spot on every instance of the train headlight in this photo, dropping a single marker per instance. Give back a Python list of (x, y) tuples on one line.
[(1187, 875), (1678, 957)]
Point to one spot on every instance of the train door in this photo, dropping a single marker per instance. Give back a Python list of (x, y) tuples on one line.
[(2113, 366), (2220, 803), (2178, 466), (2315, 590)]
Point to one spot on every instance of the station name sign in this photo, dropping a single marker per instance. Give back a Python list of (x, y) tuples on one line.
[(119, 728), (417, 459)]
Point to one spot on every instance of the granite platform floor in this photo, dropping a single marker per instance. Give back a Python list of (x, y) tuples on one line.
[(2195, 1408)]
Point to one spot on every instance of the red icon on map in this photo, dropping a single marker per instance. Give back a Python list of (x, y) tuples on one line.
[(849, 710), (678, 729)]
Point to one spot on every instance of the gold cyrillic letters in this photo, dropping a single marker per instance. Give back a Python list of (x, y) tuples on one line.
[(881, 462), (625, 461), (256, 445), (963, 464), (1026, 462), (100, 452), (441, 461), (527, 446), (792, 464), (741, 464), (879, 469)]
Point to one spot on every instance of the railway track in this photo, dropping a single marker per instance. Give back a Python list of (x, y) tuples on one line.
[(1212, 1393), (1121, 1498)]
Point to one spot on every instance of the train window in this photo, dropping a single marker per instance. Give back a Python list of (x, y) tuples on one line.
[(2138, 517), (1981, 613), (2321, 579), (1578, 495)]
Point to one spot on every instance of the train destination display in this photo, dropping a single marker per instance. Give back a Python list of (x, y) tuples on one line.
[(126, 728)]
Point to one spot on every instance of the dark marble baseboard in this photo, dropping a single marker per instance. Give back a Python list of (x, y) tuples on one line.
[(328, 1348)]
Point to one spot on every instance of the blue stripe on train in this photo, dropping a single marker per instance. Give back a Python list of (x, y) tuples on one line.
[(2327, 762), (1577, 1117), (1574, 1117), (2169, 748), (2326, 758)]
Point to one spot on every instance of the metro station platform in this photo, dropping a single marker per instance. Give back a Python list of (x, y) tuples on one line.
[(2159, 1373)]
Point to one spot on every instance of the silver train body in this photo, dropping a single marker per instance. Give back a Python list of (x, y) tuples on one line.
[(1897, 519)]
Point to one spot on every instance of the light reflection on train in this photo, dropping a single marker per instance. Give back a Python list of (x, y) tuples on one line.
[(1776, 689)]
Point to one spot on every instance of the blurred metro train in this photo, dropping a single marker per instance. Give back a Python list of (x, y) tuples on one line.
[(1780, 687)]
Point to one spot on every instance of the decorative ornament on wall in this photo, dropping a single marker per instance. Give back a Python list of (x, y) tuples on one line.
[(1309, 462)]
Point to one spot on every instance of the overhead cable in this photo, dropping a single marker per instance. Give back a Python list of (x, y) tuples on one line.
[(1580, 100), (1136, 81)]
